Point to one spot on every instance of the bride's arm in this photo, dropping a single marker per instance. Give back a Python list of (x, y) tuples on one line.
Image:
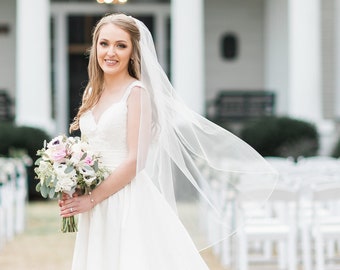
[(124, 173)]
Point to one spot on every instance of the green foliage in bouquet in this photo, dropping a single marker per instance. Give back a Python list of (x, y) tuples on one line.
[(282, 137)]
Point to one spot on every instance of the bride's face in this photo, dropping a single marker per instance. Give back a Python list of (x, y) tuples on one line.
[(114, 49)]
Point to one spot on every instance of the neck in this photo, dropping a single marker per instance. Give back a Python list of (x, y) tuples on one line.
[(115, 82)]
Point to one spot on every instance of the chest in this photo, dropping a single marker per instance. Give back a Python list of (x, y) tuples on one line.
[(106, 101), (111, 121)]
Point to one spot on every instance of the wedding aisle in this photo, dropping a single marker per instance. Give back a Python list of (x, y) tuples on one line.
[(43, 247)]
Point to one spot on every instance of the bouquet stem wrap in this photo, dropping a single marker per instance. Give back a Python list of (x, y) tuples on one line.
[(69, 224)]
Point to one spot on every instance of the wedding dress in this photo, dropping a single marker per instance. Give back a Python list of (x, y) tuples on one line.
[(134, 229)]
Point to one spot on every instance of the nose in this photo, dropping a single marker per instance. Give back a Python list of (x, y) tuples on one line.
[(111, 50)]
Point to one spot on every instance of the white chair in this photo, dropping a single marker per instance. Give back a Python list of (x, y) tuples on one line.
[(226, 195), (318, 169), (311, 171), (207, 216), (278, 225), (20, 194), (280, 163), (3, 232), (221, 198), (9, 199), (326, 222)]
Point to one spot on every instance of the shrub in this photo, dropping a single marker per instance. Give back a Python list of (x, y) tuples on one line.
[(27, 139), (336, 150), (281, 136)]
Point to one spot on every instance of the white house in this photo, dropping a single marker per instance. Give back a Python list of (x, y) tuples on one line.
[(290, 47)]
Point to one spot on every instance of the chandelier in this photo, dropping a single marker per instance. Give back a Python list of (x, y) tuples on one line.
[(112, 1)]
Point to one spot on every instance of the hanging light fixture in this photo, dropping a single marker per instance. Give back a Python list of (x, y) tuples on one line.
[(112, 1)]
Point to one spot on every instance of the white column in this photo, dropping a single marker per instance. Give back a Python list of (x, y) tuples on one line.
[(305, 94), (33, 97), (61, 73), (337, 57), (160, 39), (305, 69), (276, 52), (188, 52)]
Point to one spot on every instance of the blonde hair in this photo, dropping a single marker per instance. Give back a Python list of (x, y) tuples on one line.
[(94, 87)]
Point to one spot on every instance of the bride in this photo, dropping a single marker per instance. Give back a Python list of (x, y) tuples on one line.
[(156, 150)]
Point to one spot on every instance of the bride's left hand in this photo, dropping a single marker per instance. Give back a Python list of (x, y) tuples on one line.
[(75, 205)]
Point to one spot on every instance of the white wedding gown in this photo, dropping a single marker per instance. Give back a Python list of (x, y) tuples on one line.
[(134, 229)]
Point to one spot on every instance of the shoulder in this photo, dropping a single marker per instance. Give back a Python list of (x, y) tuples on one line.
[(137, 91), (137, 85)]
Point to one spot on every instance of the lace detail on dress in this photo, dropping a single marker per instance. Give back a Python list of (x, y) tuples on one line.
[(108, 136)]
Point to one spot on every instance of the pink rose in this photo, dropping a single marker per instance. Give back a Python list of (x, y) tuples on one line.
[(58, 155), (89, 160)]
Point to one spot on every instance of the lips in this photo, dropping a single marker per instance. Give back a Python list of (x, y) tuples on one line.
[(110, 62)]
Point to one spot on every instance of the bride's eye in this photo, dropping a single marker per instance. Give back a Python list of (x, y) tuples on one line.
[(121, 45), (103, 43)]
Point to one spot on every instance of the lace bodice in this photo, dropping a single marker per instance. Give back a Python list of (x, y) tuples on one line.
[(107, 137)]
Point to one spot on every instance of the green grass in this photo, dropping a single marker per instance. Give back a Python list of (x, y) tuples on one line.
[(43, 247)]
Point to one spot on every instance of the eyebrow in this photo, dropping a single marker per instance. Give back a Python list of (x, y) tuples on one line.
[(105, 39)]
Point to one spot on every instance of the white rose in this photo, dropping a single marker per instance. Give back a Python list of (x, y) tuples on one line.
[(65, 184), (77, 153), (66, 181), (88, 174), (60, 170)]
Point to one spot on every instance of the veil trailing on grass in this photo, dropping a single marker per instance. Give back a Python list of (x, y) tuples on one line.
[(199, 167)]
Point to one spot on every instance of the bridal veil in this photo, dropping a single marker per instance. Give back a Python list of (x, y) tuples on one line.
[(199, 167)]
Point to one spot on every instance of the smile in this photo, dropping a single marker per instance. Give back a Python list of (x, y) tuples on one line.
[(111, 62)]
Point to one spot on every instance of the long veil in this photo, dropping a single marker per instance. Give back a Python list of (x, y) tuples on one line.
[(199, 167)]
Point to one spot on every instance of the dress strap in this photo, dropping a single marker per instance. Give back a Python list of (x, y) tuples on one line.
[(129, 88)]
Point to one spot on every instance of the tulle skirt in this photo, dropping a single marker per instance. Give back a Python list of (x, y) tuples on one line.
[(134, 229)]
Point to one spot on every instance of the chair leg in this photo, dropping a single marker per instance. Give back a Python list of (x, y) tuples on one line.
[(281, 253), (267, 250), (242, 251), (2, 224), (226, 253), (319, 252), (330, 249), (291, 252), (306, 249)]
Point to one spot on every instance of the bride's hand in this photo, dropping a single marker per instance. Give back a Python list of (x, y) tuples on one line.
[(75, 205), (65, 196)]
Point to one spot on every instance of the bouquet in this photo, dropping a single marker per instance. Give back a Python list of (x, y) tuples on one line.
[(67, 164)]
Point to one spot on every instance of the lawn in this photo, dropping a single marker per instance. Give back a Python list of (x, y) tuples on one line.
[(44, 247)]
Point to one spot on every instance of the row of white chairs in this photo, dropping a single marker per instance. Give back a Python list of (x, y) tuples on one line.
[(13, 198), (299, 225), (317, 180)]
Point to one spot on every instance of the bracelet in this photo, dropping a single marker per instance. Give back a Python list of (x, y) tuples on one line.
[(91, 199)]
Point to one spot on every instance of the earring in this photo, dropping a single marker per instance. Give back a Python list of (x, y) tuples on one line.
[(132, 61)]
